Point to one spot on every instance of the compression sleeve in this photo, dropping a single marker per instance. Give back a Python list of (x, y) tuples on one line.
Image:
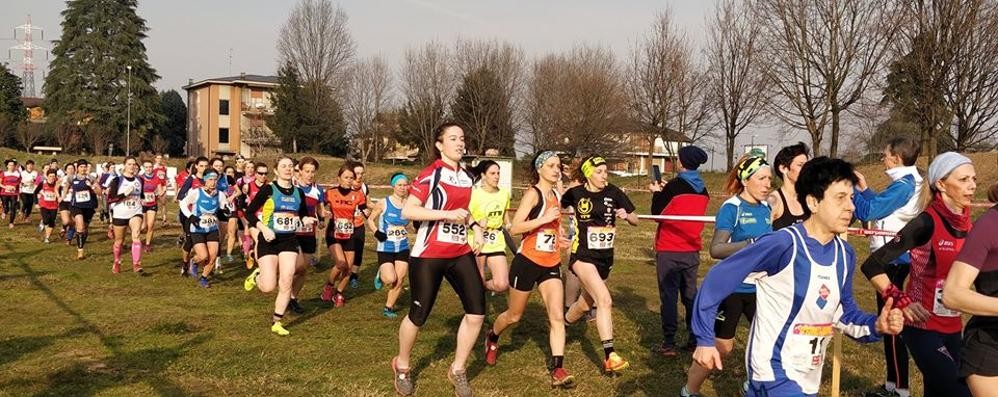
[(915, 233)]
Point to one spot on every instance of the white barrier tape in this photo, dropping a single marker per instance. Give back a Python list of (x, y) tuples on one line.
[(687, 218)]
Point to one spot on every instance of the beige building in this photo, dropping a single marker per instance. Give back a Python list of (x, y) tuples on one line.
[(226, 116), (643, 150)]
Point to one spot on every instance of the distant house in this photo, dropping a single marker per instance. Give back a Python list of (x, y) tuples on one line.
[(641, 151), (36, 111), (226, 115)]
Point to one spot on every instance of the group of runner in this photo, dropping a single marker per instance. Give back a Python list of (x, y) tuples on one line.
[(783, 265)]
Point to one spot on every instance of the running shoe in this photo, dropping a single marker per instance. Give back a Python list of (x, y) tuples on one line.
[(183, 269), (667, 350), (377, 281), (47, 241), (389, 313), (250, 281), (491, 350), (278, 328), (403, 382), (218, 265), (882, 392), (460, 381), (339, 300), (80, 255), (615, 363), (146, 248), (295, 307), (561, 378), (62, 233), (250, 262), (229, 259), (194, 268), (591, 314), (116, 267), (354, 283), (327, 293), (684, 392), (137, 267), (41, 227), (203, 282)]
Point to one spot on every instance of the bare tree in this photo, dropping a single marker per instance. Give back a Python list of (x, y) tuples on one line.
[(368, 94), (972, 81), (159, 144), (576, 103), (427, 85), (492, 75), (736, 75), (315, 40), (98, 137), (822, 56), (667, 88), (29, 134)]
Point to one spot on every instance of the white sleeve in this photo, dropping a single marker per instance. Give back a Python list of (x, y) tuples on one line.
[(187, 204)]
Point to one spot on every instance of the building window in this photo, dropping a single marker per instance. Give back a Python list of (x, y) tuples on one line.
[(223, 135), (223, 107)]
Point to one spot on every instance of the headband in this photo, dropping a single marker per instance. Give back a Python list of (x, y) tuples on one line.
[(749, 166), (541, 158), (210, 174), (589, 166), (397, 177)]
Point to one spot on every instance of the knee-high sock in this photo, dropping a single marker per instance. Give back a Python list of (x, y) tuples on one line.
[(247, 244), (81, 240), (117, 252), (70, 233), (136, 252)]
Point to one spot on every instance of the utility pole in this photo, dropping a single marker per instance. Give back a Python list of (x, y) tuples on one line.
[(128, 114), (28, 60)]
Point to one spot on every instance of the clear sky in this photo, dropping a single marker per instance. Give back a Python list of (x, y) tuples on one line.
[(191, 39)]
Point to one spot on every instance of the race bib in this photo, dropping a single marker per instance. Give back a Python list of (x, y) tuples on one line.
[(452, 233), (937, 303), (547, 240), (131, 203), (601, 237), (148, 198), (397, 233), (10, 189), (286, 222), (48, 196), (82, 196), (27, 187), (208, 221), (343, 228), (310, 228), (806, 344), (491, 236)]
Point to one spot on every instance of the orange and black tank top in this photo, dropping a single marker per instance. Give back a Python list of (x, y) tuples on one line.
[(541, 244)]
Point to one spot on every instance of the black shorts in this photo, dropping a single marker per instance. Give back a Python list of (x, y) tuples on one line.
[(307, 244), (392, 257), (123, 222), (88, 213), (154, 208), (525, 273), (281, 243), (731, 309), (64, 206), (223, 217), (48, 217), (203, 238), (426, 275), (491, 254), (603, 266), (347, 243), (980, 347)]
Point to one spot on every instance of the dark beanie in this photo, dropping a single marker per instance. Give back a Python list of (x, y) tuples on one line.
[(691, 157)]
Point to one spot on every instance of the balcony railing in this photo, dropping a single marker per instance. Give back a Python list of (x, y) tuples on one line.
[(257, 107)]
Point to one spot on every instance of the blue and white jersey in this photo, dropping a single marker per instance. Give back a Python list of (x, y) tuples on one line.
[(744, 221), (393, 225), (205, 207), (803, 292)]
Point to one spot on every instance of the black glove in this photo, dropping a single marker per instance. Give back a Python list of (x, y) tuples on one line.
[(194, 221), (381, 236)]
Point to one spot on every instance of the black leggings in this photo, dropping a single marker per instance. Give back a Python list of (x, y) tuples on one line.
[(9, 206), (425, 276), (27, 204), (937, 356)]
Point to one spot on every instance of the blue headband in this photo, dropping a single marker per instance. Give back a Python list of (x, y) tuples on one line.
[(396, 178), (541, 158)]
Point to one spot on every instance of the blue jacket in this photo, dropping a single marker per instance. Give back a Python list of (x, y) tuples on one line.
[(872, 206)]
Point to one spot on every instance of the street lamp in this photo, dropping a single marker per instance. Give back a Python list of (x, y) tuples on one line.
[(753, 142), (128, 114)]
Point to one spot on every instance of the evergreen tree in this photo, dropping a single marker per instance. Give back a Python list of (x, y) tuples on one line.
[(173, 129), (12, 111), (307, 117), (88, 81)]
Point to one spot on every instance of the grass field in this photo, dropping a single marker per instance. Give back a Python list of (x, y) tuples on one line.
[(71, 328)]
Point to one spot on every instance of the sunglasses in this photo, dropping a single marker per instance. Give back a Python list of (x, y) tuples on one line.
[(262, 173)]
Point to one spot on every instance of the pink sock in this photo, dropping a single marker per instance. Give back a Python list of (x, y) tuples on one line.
[(247, 244), (117, 252), (136, 252)]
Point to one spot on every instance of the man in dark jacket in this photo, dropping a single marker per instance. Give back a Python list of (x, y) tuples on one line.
[(678, 244)]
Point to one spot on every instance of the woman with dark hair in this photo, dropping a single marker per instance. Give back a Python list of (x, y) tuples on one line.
[(315, 195), (786, 210), (68, 231), (282, 210), (597, 205), (488, 208), (438, 202), (10, 181), (537, 262), (934, 238), (202, 207), (232, 225), (84, 190), (47, 193), (977, 265), (124, 196), (344, 202)]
